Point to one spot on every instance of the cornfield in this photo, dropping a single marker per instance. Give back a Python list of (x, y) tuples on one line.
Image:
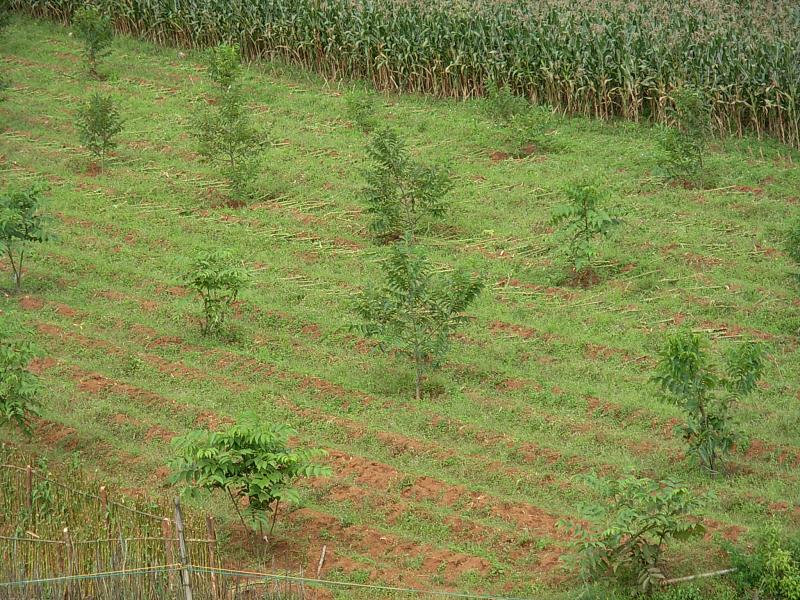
[(615, 58)]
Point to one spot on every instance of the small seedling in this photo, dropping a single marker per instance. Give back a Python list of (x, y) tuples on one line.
[(525, 126), (580, 222), (224, 130), (401, 195), (361, 108), (94, 28), (249, 461), (624, 536), (684, 144), (417, 310), (684, 373), (21, 223), (19, 387), (793, 241), (99, 122), (218, 280)]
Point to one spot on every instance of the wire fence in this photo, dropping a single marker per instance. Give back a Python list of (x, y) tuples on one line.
[(60, 541)]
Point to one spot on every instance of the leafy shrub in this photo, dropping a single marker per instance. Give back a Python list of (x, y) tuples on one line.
[(94, 28), (361, 108), (685, 374), (248, 460), (684, 144), (581, 221), (417, 310), (218, 281), (626, 534), (772, 571), (99, 123), (793, 241), (21, 223), (19, 387), (401, 193), (224, 130), (524, 125)]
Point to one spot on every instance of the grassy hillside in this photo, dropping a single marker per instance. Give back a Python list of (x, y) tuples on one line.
[(548, 381)]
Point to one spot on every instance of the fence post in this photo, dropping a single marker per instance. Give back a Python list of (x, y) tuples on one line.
[(69, 567), (185, 566), (104, 504), (169, 551), (212, 554), (29, 487)]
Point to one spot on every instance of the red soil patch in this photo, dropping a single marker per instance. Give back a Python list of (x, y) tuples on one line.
[(112, 295), (595, 351), (160, 433), (377, 475), (148, 306), (513, 385), (400, 444), (312, 331), (30, 303), (497, 156), (533, 452), (212, 421), (53, 433), (756, 191), (40, 365), (66, 311), (513, 329), (699, 261), (93, 169)]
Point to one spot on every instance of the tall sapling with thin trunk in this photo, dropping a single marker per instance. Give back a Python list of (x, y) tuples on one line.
[(250, 461), (94, 28), (402, 195), (685, 374), (224, 129), (99, 122), (21, 223), (416, 310)]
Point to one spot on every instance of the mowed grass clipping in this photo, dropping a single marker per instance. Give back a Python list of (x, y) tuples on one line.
[(547, 382)]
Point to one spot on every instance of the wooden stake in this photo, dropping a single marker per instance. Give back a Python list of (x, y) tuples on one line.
[(698, 576), (187, 584), (212, 545), (321, 560)]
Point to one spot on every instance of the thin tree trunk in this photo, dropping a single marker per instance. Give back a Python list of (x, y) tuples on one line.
[(274, 517), (236, 506)]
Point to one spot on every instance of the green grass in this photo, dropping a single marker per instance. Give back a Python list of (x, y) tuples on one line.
[(546, 383)]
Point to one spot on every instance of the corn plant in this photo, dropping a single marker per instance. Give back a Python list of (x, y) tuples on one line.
[(21, 224), (224, 130), (218, 281), (250, 461), (402, 196), (603, 60), (19, 388), (98, 123), (685, 374), (417, 310), (94, 28), (624, 535), (684, 144), (580, 222)]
